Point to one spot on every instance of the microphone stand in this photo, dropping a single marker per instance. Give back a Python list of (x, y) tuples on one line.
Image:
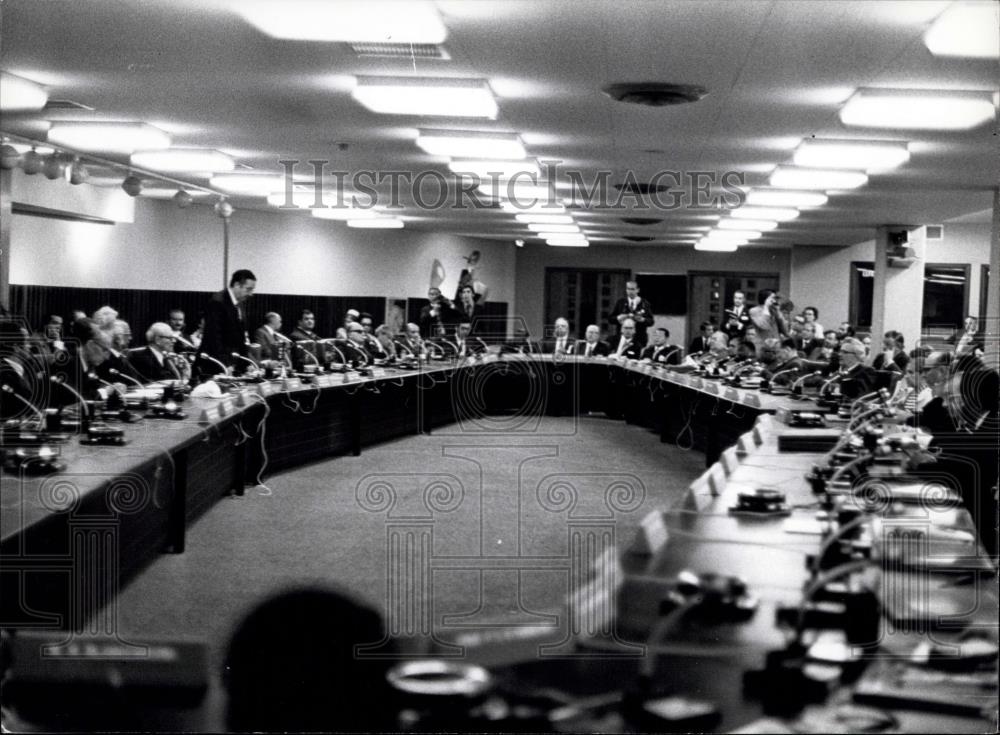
[(206, 356), (38, 412)]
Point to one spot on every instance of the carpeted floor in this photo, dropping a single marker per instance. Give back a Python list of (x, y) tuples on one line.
[(504, 504)]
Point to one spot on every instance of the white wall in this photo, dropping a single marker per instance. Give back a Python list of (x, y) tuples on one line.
[(821, 275), (533, 259), (290, 252)]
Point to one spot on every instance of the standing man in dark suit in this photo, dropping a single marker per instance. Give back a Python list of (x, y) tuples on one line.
[(467, 307), (637, 309), (225, 319), (560, 342)]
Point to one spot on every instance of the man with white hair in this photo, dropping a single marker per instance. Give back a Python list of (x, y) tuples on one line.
[(593, 345), (155, 361), (560, 343)]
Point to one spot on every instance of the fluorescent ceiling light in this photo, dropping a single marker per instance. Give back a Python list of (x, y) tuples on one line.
[(521, 191), (21, 95), (376, 223), (248, 184), (544, 219), (868, 155), (183, 160), (776, 198), (554, 228), (42, 150), (472, 145), (966, 29), (423, 96), (731, 235), (108, 137), (532, 206), (568, 237), (370, 21), (344, 214), (717, 247), (498, 170), (557, 242), (747, 224), (777, 214), (793, 177), (918, 109)]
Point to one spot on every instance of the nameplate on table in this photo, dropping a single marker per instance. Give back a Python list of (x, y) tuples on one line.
[(732, 394), (696, 382), (751, 399), (210, 415), (378, 372), (324, 381), (290, 384), (351, 376), (226, 405), (710, 387), (266, 388), (243, 397)]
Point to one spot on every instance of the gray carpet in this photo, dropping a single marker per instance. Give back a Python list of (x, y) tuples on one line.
[(504, 503)]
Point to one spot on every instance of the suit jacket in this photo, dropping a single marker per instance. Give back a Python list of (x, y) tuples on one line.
[(858, 381), (601, 348), (699, 344), (742, 321), (269, 343), (899, 362), (473, 346), (225, 330), (417, 348), (122, 363), (665, 354), (632, 349), (642, 314), (459, 313), (430, 323), (10, 407), (149, 368), (548, 346)]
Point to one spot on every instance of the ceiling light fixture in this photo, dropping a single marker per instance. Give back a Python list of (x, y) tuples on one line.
[(529, 205), (471, 145), (777, 198), (918, 109), (247, 184), (731, 235), (108, 137), (793, 177), (762, 225), (717, 247), (501, 171), (424, 96), (777, 214), (867, 155), (563, 243), (21, 95), (370, 21), (554, 228), (184, 160), (967, 30), (376, 223), (544, 219)]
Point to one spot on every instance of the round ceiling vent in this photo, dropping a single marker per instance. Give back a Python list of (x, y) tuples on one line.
[(636, 238), (655, 94), (643, 221)]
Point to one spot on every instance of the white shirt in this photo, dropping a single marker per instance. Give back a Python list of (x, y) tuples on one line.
[(622, 344)]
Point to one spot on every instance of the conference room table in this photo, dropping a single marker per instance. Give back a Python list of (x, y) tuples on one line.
[(72, 539)]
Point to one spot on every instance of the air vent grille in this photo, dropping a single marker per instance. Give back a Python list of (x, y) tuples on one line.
[(637, 238), (935, 232), (655, 94), (402, 50), (643, 221)]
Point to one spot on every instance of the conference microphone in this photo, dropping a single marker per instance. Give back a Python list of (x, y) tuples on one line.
[(245, 359), (206, 356), (797, 385), (41, 414), (331, 343), (430, 343), (835, 379), (307, 352), (102, 381), (120, 374), (400, 344), (783, 372), (486, 347), (667, 356), (180, 338), (82, 401)]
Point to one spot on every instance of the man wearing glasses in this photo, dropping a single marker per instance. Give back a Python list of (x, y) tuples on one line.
[(155, 361)]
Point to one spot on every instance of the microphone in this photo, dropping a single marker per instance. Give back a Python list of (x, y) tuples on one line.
[(206, 356), (83, 401), (400, 344), (120, 374), (331, 343), (453, 345), (783, 372), (666, 357), (358, 350), (863, 399), (308, 353), (436, 346), (245, 359), (837, 377), (183, 341), (797, 385), (99, 379), (486, 347), (41, 415)]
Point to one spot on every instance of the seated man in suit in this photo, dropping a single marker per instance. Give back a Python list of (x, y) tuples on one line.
[(411, 342), (225, 320), (787, 364), (121, 340), (856, 378), (659, 351), (465, 342), (627, 348), (156, 360), (15, 372), (560, 343), (304, 333), (593, 345), (703, 342), (268, 335), (48, 343), (827, 353)]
